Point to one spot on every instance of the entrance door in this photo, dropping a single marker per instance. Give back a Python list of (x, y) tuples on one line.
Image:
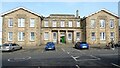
[(62, 37), (54, 37)]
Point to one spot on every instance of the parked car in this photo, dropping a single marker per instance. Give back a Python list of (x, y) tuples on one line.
[(10, 47), (81, 45), (50, 46), (117, 44)]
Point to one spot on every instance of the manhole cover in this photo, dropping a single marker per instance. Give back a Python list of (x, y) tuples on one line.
[(18, 59)]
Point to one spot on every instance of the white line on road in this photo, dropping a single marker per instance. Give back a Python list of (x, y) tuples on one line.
[(115, 65), (95, 57), (108, 54), (63, 49), (86, 59), (75, 58), (68, 52), (42, 51), (77, 66)]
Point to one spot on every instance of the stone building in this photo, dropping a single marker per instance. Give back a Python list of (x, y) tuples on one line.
[(101, 27), (25, 27), (21, 26), (62, 28)]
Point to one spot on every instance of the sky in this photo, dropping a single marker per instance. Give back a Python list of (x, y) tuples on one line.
[(47, 8)]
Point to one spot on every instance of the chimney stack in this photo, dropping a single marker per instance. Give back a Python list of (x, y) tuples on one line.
[(77, 15)]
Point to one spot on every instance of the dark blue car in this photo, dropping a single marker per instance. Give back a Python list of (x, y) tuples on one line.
[(82, 45), (50, 46)]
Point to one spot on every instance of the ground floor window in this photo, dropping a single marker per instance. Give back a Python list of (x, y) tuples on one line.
[(70, 36), (93, 36), (112, 35), (32, 36), (21, 36), (102, 35), (78, 36), (10, 35), (54, 35), (46, 36)]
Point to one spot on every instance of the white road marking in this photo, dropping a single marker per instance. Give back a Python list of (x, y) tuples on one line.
[(108, 54), (115, 65), (86, 59), (75, 58), (63, 49), (95, 57), (68, 52), (77, 66), (18, 58), (42, 51)]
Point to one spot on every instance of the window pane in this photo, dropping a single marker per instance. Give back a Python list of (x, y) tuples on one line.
[(78, 24), (10, 35), (102, 36), (46, 36), (78, 36), (32, 36), (70, 23), (93, 36), (32, 22), (10, 22), (21, 36), (111, 23), (69, 36), (54, 35), (54, 23), (102, 23), (21, 22), (62, 23), (45, 23), (92, 23)]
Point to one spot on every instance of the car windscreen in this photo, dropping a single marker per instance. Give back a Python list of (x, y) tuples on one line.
[(5, 45), (83, 43)]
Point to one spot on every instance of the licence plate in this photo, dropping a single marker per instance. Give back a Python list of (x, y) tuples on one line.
[(84, 46), (49, 48)]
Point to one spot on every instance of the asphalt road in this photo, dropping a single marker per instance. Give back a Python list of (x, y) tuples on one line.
[(64, 56)]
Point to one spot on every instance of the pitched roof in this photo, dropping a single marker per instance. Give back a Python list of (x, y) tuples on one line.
[(105, 10), (5, 13)]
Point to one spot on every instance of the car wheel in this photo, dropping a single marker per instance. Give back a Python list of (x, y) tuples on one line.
[(20, 47), (12, 50)]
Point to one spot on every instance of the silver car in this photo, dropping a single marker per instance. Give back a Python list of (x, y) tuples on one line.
[(10, 47)]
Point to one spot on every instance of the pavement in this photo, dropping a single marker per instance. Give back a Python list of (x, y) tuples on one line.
[(65, 56)]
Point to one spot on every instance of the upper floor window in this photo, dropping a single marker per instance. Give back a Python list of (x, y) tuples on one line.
[(92, 23), (10, 22), (102, 23), (53, 23), (62, 24), (21, 36), (32, 36), (10, 36), (21, 22), (93, 36), (70, 23), (46, 36), (78, 24), (102, 35), (111, 23), (45, 23), (32, 22)]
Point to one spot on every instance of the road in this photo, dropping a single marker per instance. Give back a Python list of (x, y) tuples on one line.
[(65, 56)]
